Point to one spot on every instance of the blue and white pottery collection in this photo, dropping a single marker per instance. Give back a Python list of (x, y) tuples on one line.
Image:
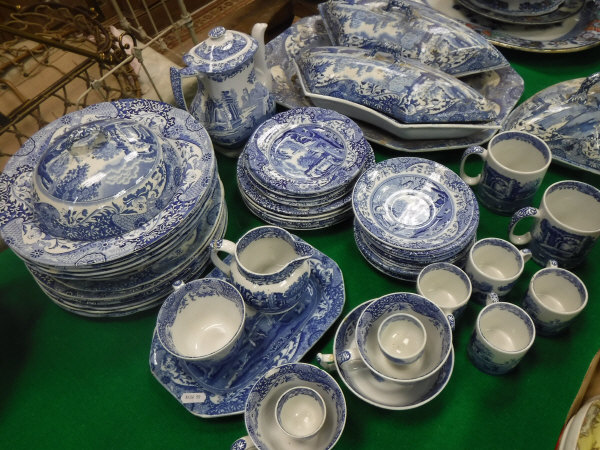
[(410, 212), (118, 208), (298, 168), (143, 234), (234, 84)]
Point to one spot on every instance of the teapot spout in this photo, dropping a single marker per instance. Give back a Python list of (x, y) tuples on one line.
[(260, 62)]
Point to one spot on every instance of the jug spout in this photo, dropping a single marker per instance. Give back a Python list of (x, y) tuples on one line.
[(260, 63)]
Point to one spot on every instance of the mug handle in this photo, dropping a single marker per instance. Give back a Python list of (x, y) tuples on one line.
[(221, 245), (474, 150), (521, 239)]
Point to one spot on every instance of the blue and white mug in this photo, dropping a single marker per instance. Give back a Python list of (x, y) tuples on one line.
[(566, 227), (494, 266), (554, 299), (515, 163), (502, 335)]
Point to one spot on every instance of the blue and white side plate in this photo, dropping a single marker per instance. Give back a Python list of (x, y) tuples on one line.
[(18, 223), (306, 151), (414, 204), (381, 393), (567, 117), (565, 10), (269, 341), (576, 33), (502, 86), (520, 7)]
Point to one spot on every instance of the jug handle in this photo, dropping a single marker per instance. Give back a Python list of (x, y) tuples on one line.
[(177, 76), (260, 60), (221, 245)]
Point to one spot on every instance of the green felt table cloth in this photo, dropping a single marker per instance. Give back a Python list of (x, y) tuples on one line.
[(71, 382)]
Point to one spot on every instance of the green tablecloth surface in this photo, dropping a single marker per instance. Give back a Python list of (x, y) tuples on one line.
[(71, 382)]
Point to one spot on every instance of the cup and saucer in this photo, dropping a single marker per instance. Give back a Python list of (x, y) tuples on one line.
[(387, 384)]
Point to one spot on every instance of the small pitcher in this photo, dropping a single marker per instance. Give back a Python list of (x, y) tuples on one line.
[(269, 267)]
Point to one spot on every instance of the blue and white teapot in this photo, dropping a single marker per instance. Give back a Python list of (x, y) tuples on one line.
[(234, 84)]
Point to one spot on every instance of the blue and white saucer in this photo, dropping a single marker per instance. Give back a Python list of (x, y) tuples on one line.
[(374, 390), (269, 341)]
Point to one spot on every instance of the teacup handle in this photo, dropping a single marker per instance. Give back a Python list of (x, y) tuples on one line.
[(326, 361), (521, 239), (243, 443), (492, 297), (221, 245), (474, 150), (526, 254), (451, 321), (552, 264)]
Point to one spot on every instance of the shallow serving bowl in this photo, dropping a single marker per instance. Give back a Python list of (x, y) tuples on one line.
[(103, 179)]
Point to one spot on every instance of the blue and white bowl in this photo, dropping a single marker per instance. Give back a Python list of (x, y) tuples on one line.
[(261, 406)]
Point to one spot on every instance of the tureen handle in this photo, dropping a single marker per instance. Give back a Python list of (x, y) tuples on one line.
[(582, 93)]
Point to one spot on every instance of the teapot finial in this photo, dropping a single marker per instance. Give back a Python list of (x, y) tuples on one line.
[(260, 65)]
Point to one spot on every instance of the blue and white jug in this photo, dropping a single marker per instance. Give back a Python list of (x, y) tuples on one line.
[(234, 84)]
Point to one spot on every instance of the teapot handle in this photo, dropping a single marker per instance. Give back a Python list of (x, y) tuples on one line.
[(177, 76)]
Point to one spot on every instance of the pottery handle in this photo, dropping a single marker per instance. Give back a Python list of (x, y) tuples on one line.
[(221, 245), (243, 443), (521, 239), (474, 150), (326, 361), (582, 93), (177, 76)]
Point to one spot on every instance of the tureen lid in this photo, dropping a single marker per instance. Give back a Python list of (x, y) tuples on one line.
[(223, 51)]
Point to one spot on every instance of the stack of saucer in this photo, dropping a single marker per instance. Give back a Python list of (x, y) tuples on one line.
[(524, 12), (109, 205), (298, 169), (410, 212)]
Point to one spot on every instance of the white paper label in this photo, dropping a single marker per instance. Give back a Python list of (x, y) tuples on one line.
[(191, 397)]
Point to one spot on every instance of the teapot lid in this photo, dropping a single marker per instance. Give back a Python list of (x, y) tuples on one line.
[(224, 50)]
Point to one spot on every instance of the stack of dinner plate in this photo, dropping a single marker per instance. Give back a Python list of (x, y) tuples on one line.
[(298, 169), (411, 212), (108, 206)]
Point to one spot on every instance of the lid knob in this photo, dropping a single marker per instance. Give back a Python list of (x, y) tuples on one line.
[(217, 32)]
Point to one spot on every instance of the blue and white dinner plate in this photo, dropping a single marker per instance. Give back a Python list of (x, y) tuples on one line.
[(414, 204), (565, 10), (269, 341), (306, 151), (19, 226)]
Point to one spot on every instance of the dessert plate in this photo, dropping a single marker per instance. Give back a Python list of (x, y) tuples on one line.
[(563, 12), (503, 87), (409, 30), (270, 341), (18, 223), (365, 385), (577, 32), (306, 151), (567, 117), (414, 204)]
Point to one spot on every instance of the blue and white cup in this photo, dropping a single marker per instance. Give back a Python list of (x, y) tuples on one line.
[(554, 299), (300, 412), (502, 335), (567, 224), (446, 285), (515, 163), (494, 266)]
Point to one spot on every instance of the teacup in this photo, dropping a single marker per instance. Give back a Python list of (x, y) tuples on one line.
[(446, 285), (300, 412), (555, 297), (494, 265), (402, 338), (438, 341), (567, 224), (269, 267), (515, 163), (201, 320), (502, 335)]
